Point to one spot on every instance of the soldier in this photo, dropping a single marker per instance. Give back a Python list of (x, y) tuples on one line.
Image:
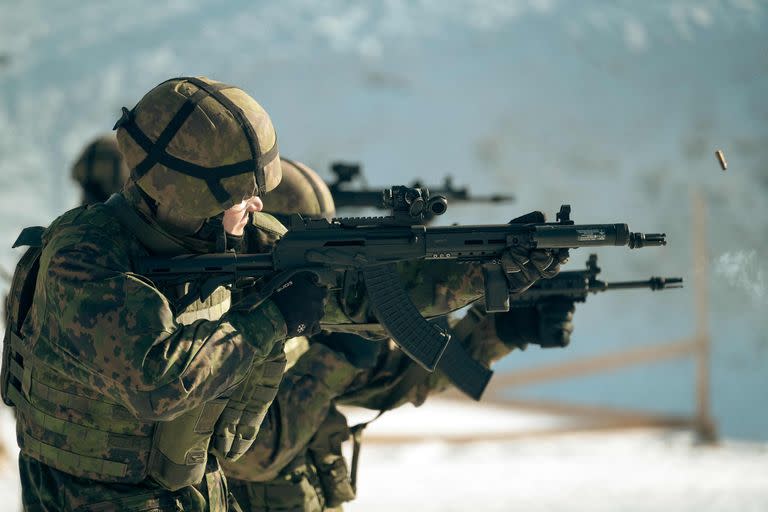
[(127, 395), (100, 170), (301, 191), (296, 462), (120, 391)]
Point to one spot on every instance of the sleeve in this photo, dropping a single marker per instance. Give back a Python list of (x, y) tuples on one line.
[(120, 329), (323, 377), (436, 287), (305, 396), (397, 379)]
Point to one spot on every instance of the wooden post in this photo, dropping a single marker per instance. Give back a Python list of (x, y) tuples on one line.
[(705, 426)]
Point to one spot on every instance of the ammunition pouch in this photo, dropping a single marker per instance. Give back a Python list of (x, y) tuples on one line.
[(180, 446), (335, 481), (297, 489), (324, 451)]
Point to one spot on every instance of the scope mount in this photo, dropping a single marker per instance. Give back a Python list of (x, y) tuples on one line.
[(413, 204)]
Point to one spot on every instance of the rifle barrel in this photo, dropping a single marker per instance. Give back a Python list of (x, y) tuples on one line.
[(466, 197), (654, 283)]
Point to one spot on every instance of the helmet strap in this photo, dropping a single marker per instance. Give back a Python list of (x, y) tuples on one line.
[(156, 151)]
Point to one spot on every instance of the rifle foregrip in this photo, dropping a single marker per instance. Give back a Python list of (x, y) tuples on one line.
[(422, 341)]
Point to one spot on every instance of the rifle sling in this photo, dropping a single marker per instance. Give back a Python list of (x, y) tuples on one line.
[(412, 375)]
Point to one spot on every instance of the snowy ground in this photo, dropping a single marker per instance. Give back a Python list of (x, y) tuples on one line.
[(637, 470)]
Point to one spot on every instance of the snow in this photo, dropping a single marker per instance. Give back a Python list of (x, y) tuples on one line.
[(628, 470)]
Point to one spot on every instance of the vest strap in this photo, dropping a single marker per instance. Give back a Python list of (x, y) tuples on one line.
[(71, 462), (65, 460)]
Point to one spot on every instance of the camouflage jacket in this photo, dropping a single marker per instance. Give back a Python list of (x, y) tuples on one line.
[(113, 332), (109, 362), (296, 461)]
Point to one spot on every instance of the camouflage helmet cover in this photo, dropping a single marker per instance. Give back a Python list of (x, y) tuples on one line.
[(198, 146), (301, 191), (100, 168)]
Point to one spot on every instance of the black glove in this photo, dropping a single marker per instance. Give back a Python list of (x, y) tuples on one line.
[(524, 267), (359, 351), (301, 300), (555, 321), (549, 324)]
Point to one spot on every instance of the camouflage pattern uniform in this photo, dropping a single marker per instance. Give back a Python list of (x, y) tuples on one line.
[(120, 394), (124, 366), (126, 400), (119, 391), (296, 461)]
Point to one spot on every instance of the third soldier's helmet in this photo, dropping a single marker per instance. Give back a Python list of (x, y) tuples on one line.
[(198, 146), (301, 191), (100, 169)]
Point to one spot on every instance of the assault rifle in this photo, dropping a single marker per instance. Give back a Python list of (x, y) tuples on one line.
[(373, 245), (576, 285), (346, 195)]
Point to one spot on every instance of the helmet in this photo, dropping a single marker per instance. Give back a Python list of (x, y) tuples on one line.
[(300, 191), (100, 169), (197, 146)]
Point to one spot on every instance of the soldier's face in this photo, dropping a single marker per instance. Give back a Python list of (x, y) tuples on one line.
[(236, 217)]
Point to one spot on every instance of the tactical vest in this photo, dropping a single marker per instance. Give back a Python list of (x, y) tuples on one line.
[(76, 429)]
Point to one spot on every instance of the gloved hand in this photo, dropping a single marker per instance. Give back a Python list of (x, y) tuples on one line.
[(549, 324), (301, 300), (239, 423), (555, 321), (524, 267), (362, 353)]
